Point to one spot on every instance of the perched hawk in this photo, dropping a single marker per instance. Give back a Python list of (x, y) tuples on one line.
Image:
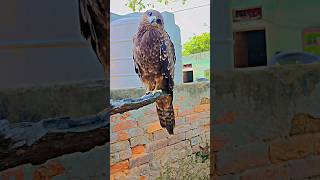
[(154, 59), (94, 25)]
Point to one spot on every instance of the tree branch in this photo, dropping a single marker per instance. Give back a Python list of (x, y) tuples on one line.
[(29, 142), (121, 106)]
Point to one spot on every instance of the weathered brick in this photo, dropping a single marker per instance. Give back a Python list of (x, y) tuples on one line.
[(139, 140), (140, 149), (159, 154), (113, 137), (135, 132), (126, 154), (119, 146), (180, 121), (132, 178), (152, 118), (161, 134), (304, 168), (197, 116), (48, 171), (123, 165), (181, 129), (150, 128), (185, 113), (176, 138), (114, 158), (242, 158), (122, 135), (195, 148), (276, 172), (291, 148), (16, 172), (139, 160), (181, 145), (124, 125), (144, 170), (155, 165), (195, 140), (202, 108), (159, 144), (304, 123), (200, 123), (192, 133)]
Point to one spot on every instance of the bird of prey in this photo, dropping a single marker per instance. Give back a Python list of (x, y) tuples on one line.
[(154, 60), (94, 25)]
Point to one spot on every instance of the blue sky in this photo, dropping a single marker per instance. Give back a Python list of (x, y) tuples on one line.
[(193, 18)]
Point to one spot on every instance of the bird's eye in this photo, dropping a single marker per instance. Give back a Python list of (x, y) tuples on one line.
[(150, 13), (158, 21)]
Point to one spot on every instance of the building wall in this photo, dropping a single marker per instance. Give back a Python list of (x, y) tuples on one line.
[(266, 123), (200, 63), (140, 148), (283, 20)]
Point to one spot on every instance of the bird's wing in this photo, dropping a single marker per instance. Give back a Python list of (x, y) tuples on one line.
[(94, 26), (167, 61), (137, 68)]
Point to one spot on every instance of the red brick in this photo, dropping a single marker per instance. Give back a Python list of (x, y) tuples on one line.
[(140, 149), (197, 116), (202, 108), (295, 147), (121, 166), (147, 119), (153, 127), (48, 170), (17, 173), (124, 125), (121, 136)]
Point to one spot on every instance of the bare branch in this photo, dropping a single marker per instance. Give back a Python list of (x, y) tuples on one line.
[(29, 142), (121, 106)]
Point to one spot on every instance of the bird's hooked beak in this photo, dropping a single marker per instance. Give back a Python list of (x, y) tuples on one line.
[(152, 20)]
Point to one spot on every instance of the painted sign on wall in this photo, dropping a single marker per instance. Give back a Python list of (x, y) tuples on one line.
[(247, 14)]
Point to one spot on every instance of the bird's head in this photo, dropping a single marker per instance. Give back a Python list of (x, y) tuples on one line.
[(153, 19)]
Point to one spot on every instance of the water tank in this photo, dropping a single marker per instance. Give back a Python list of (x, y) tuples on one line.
[(122, 30)]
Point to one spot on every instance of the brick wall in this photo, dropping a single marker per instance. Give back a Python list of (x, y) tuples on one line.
[(266, 124), (140, 148)]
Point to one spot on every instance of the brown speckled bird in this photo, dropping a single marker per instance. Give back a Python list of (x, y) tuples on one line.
[(154, 59)]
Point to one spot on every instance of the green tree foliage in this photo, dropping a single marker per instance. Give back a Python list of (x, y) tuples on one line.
[(197, 44), (139, 5)]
